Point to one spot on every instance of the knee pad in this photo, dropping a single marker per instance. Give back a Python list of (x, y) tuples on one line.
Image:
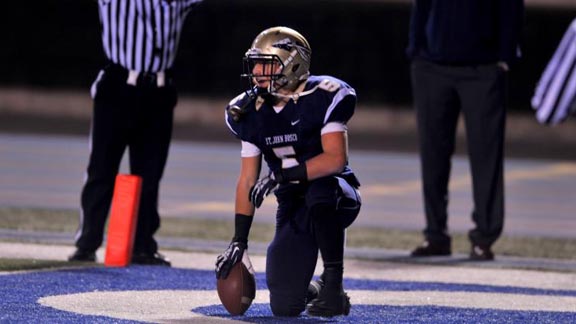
[(349, 202), (334, 195)]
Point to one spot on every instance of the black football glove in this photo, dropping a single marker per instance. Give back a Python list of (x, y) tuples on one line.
[(261, 189), (229, 258)]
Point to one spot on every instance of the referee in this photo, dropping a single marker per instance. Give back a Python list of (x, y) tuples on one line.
[(555, 97), (134, 99)]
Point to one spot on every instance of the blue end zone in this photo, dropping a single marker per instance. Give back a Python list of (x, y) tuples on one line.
[(20, 293), (260, 313)]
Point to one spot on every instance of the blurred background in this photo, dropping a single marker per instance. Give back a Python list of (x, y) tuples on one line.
[(51, 53)]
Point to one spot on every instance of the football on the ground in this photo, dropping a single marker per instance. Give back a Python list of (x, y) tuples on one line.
[(238, 290)]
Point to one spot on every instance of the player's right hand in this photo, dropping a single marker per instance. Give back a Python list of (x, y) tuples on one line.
[(232, 255), (261, 189)]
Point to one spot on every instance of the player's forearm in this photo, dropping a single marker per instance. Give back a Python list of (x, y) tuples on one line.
[(243, 204), (249, 172), (318, 167), (324, 165), (332, 160)]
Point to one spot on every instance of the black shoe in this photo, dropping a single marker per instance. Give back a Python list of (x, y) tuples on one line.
[(329, 303), (82, 256), (314, 289), (431, 249), (150, 259), (481, 253)]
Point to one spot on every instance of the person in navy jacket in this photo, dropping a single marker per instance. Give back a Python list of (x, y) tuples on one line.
[(461, 52)]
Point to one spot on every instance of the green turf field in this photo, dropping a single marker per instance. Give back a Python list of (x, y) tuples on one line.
[(67, 221)]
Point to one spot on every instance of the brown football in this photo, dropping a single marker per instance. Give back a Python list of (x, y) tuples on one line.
[(238, 290)]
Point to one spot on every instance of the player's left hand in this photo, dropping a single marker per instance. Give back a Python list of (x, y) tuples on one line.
[(261, 189), (229, 258)]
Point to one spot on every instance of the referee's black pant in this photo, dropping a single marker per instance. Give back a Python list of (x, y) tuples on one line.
[(138, 117), (440, 93)]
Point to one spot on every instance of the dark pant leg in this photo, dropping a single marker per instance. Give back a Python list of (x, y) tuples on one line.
[(321, 204), (483, 95), (437, 110), (290, 260), (332, 205), (149, 148), (108, 138)]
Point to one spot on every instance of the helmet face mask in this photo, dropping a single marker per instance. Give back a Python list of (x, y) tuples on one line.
[(279, 59), (264, 71)]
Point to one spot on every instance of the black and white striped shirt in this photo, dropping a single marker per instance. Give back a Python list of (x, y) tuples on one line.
[(143, 35), (555, 95)]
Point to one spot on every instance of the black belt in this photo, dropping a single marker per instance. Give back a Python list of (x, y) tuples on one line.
[(140, 79)]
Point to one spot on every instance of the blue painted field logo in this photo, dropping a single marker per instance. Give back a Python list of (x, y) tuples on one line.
[(157, 294)]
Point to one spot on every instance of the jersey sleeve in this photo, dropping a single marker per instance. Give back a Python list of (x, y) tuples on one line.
[(334, 127), (249, 150), (342, 103)]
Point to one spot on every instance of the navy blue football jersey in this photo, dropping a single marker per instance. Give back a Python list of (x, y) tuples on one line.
[(294, 132)]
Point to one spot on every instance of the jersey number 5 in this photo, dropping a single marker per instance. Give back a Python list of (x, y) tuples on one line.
[(288, 156)]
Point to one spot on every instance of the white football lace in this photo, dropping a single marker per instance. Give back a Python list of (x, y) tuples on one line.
[(248, 263)]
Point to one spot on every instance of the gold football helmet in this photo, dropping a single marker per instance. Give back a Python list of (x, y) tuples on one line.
[(283, 56)]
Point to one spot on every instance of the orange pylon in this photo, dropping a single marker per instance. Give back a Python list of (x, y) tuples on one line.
[(123, 219)]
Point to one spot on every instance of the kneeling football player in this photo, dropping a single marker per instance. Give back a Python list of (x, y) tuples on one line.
[(297, 123)]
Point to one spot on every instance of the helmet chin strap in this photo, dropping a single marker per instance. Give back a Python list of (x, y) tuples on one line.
[(296, 94)]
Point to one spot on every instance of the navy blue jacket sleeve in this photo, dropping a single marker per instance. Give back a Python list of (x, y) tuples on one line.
[(512, 22), (418, 18)]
